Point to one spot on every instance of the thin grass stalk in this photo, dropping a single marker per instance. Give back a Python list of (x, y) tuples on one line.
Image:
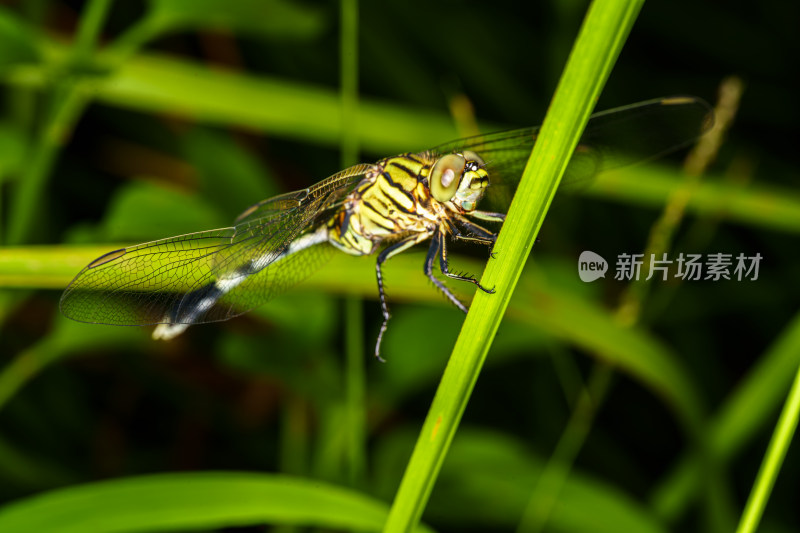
[(355, 385), (604, 31), (773, 459), (66, 102)]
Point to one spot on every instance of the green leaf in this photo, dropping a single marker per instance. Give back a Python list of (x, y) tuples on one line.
[(230, 176), (272, 18), (178, 502), (18, 43), (142, 211), (652, 185), (158, 84)]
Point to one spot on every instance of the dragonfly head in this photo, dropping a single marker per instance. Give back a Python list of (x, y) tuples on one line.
[(460, 178)]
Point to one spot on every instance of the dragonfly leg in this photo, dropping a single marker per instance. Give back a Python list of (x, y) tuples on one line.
[(461, 277), (437, 245), (488, 216), (391, 251), (476, 234)]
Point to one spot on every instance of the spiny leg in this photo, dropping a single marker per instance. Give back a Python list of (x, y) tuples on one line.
[(488, 216), (478, 233), (391, 251), (437, 244), (446, 271)]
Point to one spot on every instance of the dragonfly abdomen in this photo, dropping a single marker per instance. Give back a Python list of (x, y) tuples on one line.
[(196, 306)]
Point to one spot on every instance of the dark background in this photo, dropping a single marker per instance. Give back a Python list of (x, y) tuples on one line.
[(233, 395)]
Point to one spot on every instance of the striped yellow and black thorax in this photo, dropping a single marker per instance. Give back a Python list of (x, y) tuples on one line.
[(395, 200)]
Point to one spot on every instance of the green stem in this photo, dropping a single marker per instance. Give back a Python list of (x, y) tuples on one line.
[(356, 390), (348, 52), (22, 369), (66, 103), (353, 316), (771, 465), (89, 29), (601, 38)]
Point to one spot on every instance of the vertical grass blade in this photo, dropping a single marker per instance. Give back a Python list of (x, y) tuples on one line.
[(64, 105), (604, 31), (771, 465), (354, 317)]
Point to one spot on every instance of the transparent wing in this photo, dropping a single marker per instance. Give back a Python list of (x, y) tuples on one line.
[(264, 231), (143, 284), (275, 279), (613, 138), (139, 284), (332, 188)]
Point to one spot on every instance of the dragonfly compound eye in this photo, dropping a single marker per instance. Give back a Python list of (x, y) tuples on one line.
[(446, 176)]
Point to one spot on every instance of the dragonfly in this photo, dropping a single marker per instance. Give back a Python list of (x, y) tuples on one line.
[(382, 208)]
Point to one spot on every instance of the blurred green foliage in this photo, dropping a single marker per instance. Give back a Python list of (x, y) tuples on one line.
[(128, 121)]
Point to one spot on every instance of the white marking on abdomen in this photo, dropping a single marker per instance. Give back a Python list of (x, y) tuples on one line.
[(231, 280)]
